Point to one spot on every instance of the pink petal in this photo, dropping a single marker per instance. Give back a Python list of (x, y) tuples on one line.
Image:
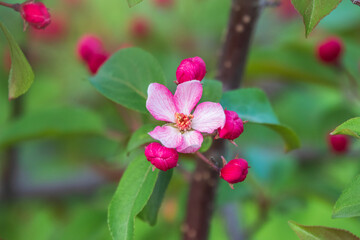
[(187, 95), (160, 103), (192, 141), (169, 136), (208, 116)]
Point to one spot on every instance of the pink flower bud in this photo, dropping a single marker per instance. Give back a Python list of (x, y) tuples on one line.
[(233, 127), (235, 171), (140, 28), (36, 14), (339, 143), (89, 45), (161, 157), (330, 50), (191, 69), (96, 61)]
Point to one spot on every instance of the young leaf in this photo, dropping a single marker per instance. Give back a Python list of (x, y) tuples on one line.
[(350, 127), (348, 204), (321, 233), (50, 123), (21, 75), (133, 2), (125, 77), (313, 11), (131, 196), (252, 105), (150, 211), (140, 137)]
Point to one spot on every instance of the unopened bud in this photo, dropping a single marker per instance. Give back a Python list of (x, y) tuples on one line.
[(235, 171), (161, 157), (339, 143), (191, 69), (96, 61), (36, 14), (330, 51), (89, 45), (233, 127)]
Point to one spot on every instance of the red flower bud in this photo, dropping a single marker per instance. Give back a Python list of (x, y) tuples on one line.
[(233, 127), (235, 171), (191, 69), (36, 14), (140, 28), (96, 61), (161, 157), (89, 45), (339, 143), (330, 50)]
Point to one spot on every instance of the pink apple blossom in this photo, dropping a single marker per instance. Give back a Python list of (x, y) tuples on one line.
[(233, 127), (184, 127)]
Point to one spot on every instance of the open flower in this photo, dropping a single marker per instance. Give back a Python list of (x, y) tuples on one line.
[(183, 129)]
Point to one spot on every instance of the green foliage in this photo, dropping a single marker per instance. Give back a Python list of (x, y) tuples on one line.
[(140, 137), (313, 11), (350, 127), (21, 75), (150, 211), (348, 204), (134, 191), (125, 77), (290, 61), (253, 105), (321, 233), (212, 90), (133, 2), (52, 123), (206, 144)]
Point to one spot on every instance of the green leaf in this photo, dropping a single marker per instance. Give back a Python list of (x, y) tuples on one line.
[(252, 105), (321, 233), (131, 196), (150, 211), (206, 144), (21, 75), (350, 127), (140, 137), (348, 204), (50, 123), (125, 77), (133, 2), (313, 11), (212, 90)]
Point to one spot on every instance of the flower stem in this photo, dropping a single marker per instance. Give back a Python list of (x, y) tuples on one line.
[(15, 6), (207, 161)]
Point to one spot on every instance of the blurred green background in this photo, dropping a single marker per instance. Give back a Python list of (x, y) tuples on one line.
[(67, 173)]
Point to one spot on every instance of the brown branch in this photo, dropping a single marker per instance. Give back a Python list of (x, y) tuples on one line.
[(243, 16), (15, 6)]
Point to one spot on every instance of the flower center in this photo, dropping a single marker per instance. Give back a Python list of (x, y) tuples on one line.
[(183, 122)]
